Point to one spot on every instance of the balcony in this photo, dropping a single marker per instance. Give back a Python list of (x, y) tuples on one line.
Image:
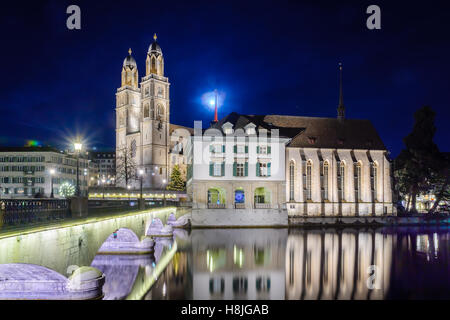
[(262, 205), (239, 205), (216, 205)]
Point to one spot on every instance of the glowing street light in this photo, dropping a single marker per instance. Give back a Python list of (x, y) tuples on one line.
[(78, 146)]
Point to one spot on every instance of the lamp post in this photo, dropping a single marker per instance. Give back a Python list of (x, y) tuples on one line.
[(141, 200), (84, 180), (129, 187), (52, 172), (78, 146), (103, 188), (164, 192)]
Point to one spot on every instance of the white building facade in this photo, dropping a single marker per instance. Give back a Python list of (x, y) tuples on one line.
[(235, 167), (27, 172), (250, 170)]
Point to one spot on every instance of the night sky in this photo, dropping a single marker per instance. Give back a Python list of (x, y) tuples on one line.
[(267, 57)]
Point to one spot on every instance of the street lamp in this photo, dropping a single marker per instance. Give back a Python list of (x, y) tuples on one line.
[(52, 172), (78, 146), (129, 187), (164, 192), (103, 188), (141, 201), (84, 180)]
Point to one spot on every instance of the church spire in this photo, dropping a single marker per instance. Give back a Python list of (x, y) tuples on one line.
[(341, 107)]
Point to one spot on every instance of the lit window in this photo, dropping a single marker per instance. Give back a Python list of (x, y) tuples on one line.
[(291, 180), (217, 169), (308, 180), (239, 169)]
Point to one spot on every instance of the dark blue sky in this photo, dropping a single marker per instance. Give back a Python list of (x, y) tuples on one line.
[(268, 57)]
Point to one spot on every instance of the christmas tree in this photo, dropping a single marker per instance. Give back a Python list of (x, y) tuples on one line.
[(176, 181)]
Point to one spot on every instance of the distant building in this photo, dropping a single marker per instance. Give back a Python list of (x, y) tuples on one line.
[(26, 172), (105, 164)]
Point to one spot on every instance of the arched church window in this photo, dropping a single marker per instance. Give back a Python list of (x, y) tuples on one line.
[(153, 65), (374, 180), (147, 91), (160, 112), (341, 181), (152, 112), (325, 180), (291, 180), (146, 111), (309, 180), (160, 91), (358, 181)]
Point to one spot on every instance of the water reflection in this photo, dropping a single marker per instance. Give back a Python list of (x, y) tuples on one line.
[(335, 265), (309, 264), (121, 272)]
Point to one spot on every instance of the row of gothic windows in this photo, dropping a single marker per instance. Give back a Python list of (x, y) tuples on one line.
[(150, 112), (324, 176), (160, 92)]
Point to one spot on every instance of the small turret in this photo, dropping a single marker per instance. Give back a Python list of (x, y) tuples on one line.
[(130, 71)]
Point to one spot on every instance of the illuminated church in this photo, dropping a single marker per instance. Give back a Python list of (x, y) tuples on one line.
[(277, 167), (143, 129)]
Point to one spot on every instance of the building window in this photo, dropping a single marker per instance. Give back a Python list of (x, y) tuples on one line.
[(239, 170), (358, 181), (308, 180), (217, 169), (263, 149), (374, 181), (263, 169), (324, 178), (146, 111), (291, 180), (341, 181)]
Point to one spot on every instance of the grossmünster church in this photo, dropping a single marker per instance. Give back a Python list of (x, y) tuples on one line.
[(143, 128), (331, 166)]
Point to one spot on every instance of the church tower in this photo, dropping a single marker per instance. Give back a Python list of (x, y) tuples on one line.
[(128, 113), (143, 114), (156, 116)]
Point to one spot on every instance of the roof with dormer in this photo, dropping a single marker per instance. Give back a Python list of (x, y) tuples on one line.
[(312, 132)]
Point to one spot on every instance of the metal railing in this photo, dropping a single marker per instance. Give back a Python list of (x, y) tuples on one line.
[(22, 211), (216, 205), (239, 205), (262, 205)]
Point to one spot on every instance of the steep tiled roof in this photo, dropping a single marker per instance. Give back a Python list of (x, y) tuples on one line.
[(331, 132), (313, 132)]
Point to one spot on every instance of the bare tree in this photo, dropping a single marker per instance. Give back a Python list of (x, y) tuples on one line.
[(126, 168)]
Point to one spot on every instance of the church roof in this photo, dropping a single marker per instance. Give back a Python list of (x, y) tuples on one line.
[(313, 132), (129, 61), (173, 127)]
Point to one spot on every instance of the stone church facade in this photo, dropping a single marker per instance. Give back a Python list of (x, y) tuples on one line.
[(144, 136)]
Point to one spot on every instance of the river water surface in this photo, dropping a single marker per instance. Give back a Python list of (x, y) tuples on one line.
[(360, 264)]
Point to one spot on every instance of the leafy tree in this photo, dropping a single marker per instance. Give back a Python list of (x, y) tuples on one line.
[(440, 181), (416, 164), (176, 181)]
